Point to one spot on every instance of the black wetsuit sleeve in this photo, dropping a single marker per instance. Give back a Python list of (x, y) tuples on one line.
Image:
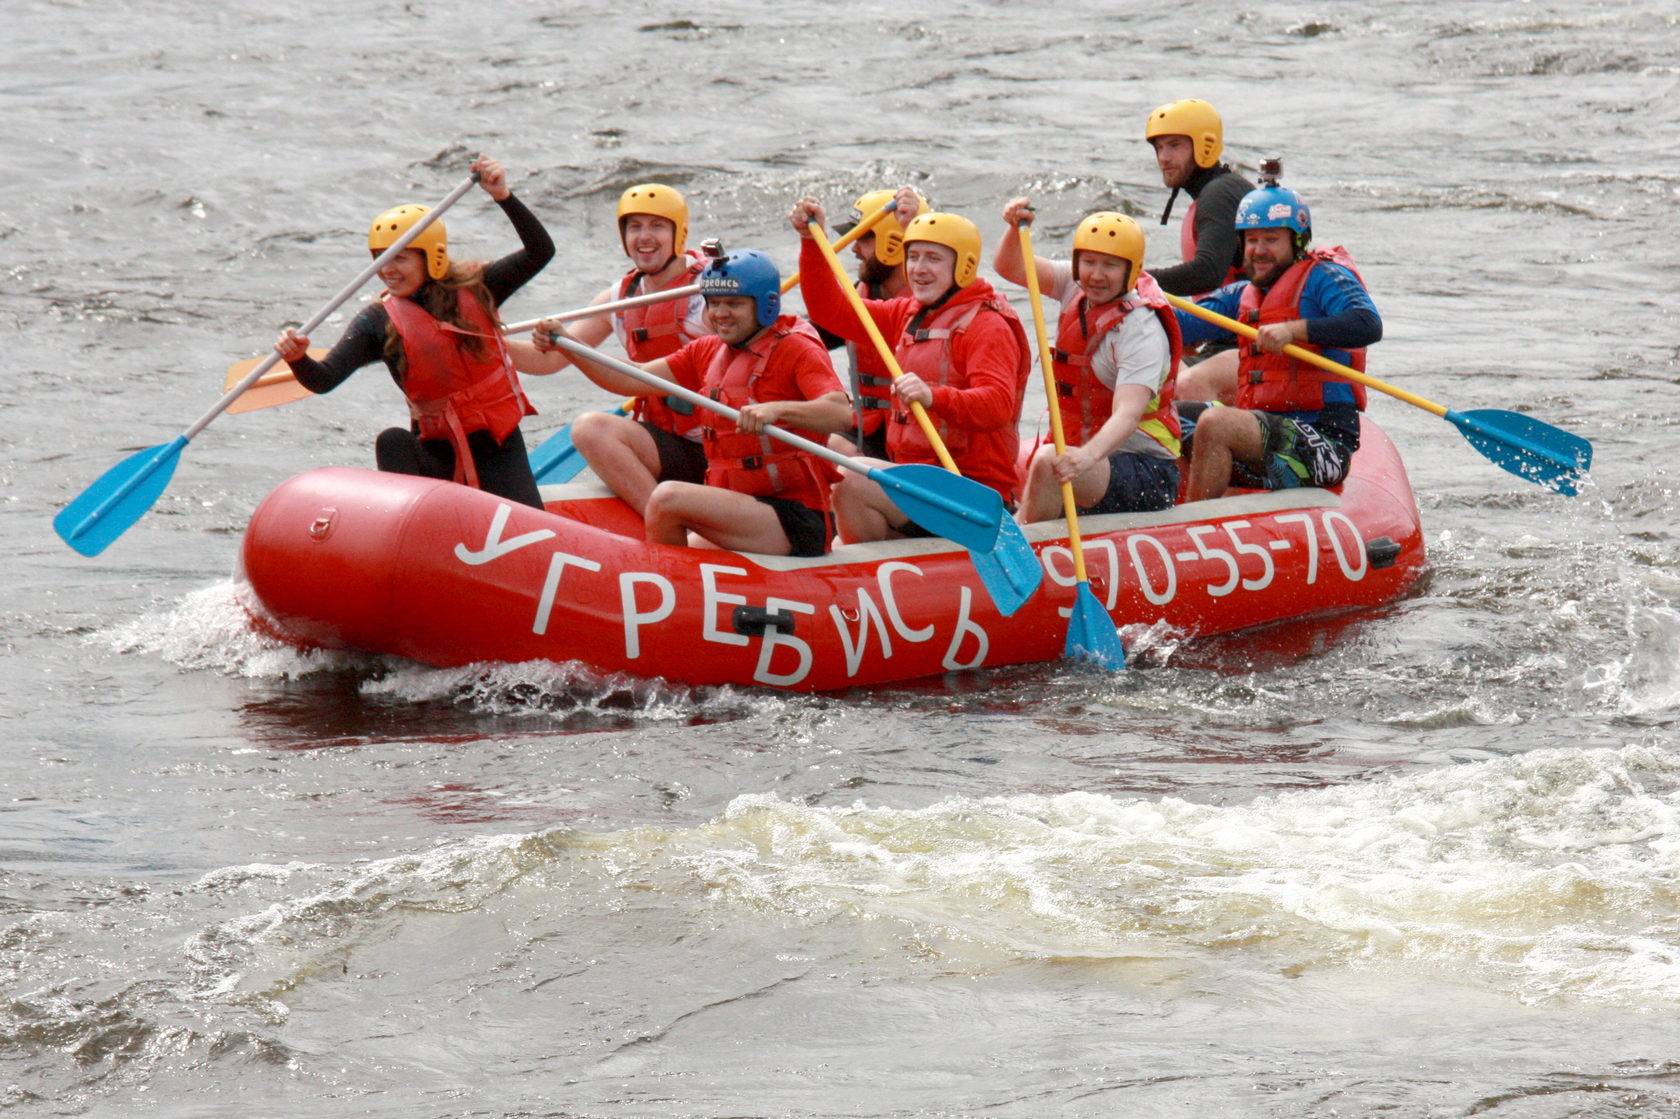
[(363, 344), (1216, 239), (364, 341), (505, 276)]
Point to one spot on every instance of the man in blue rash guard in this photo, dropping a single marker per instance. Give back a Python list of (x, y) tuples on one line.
[(1294, 424)]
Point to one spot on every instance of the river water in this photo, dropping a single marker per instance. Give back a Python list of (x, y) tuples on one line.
[(1423, 862)]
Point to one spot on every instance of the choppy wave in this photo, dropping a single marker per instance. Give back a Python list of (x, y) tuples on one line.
[(1551, 878), (1552, 875)]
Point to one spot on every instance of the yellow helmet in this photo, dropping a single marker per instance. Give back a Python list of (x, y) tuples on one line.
[(662, 202), (1115, 234), (956, 233), (888, 234), (433, 241), (1195, 119)]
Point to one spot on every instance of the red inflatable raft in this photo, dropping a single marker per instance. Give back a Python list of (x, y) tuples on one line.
[(354, 559)]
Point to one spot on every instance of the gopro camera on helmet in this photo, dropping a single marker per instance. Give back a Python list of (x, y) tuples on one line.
[(1271, 170)]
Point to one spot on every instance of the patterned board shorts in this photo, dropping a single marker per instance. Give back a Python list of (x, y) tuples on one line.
[(1297, 453)]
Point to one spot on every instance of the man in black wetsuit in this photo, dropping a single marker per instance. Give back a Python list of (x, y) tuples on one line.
[(1188, 138), (466, 406)]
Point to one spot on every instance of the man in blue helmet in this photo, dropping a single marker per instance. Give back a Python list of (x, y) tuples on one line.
[(760, 495), (1294, 425)]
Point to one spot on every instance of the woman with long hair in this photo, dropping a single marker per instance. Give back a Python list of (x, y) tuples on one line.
[(437, 330)]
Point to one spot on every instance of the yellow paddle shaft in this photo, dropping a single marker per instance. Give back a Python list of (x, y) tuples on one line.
[(861, 229), (881, 346), (1308, 356), (1069, 509)]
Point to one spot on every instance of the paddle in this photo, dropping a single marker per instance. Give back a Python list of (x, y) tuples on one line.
[(556, 459), (121, 496), (1010, 571), (1529, 448), (952, 506), (1091, 633), (862, 228), (280, 386), (272, 389)]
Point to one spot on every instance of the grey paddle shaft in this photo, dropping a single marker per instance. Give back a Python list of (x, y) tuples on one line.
[(333, 304), (605, 308), (670, 388)]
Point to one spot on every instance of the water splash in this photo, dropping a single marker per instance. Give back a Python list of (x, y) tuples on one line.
[(210, 629), (1551, 875)]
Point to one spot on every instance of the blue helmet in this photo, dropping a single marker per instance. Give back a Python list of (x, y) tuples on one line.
[(748, 272), (1274, 207)]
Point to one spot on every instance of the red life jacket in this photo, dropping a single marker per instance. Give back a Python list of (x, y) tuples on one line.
[(1085, 402), (451, 391), (1187, 249), (1278, 382), (986, 456), (656, 330), (871, 382), (756, 464)]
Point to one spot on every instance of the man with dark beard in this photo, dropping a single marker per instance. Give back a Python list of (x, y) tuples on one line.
[(1189, 137), (1294, 425), (880, 255)]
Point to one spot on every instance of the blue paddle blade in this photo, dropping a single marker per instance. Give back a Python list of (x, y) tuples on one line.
[(1527, 447), (1010, 572), (946, 504), (121, 496), (1091, 634), (557, 459)]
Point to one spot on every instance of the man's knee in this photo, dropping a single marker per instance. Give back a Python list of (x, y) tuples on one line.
[(1227, 427), (850, 489), (664, 500), (594, 430)]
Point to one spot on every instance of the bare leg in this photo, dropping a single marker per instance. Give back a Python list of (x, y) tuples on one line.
[(1223, 435), (1213, 379), (621, 453), (862, 509), (723, 517), (1042, 495), (842, 444)]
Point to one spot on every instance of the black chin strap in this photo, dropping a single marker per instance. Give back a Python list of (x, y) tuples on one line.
[(1167, 213), (916, 320)]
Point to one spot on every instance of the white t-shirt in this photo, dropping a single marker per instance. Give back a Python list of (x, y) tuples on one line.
[(1137, 352)]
